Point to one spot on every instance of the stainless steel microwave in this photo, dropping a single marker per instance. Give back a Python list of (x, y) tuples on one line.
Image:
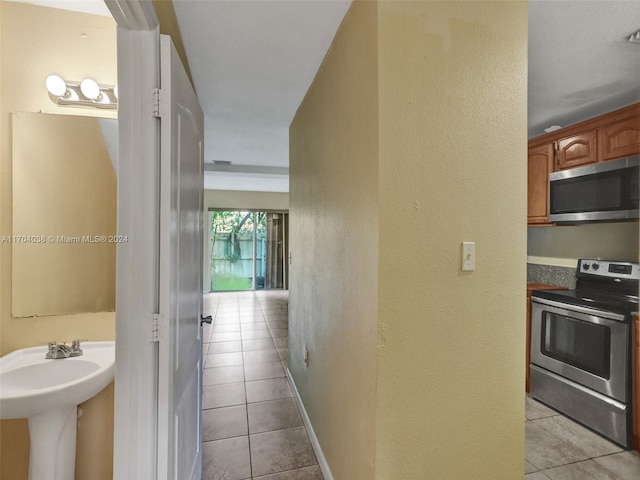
[(606, 191)]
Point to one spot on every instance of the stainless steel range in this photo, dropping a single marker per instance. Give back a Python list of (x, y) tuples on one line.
[(581, 347)]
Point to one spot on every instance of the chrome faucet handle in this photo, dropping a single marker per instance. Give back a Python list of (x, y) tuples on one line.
[(76, 343), (76, 351)]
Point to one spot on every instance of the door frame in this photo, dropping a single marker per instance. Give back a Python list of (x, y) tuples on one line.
[(136, 366), (207, 252)]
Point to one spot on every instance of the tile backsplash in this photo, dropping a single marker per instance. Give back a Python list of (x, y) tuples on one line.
[(551, 275)]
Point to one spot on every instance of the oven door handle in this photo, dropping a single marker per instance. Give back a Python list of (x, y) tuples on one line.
[(577, 308)]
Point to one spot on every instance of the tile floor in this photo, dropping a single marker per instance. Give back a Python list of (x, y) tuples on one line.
[(557, 448), (252, 428)]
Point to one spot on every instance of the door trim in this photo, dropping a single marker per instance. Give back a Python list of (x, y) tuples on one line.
[(135, 429)]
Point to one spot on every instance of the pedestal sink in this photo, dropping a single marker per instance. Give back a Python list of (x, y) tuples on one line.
[(47, 393)]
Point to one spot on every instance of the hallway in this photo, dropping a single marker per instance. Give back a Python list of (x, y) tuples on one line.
[(252, 428)]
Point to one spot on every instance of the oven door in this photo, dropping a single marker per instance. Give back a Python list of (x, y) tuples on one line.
[(587, 346)]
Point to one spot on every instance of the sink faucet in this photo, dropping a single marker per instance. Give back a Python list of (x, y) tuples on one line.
[(63, 351)]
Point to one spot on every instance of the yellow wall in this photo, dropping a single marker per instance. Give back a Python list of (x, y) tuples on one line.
[(411, 140), (36, 42), (334, 245), (453, 83), (232, 199)]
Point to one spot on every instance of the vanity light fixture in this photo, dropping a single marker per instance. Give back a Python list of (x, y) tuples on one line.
[(634, 37), (87, 93)]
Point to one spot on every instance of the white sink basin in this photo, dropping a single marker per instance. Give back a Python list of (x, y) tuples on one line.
[(30, 384), (47, 392)]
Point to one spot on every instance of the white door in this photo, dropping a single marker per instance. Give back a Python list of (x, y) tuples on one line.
[(180, 333)]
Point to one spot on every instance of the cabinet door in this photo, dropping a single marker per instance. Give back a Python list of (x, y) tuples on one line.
[(619, 139), (540, 164), (577, 150), (636, 383)]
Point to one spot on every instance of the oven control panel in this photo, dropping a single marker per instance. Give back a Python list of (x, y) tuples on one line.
[(606, 268)]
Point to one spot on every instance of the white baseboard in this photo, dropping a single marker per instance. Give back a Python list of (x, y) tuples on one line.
[(322, 461)]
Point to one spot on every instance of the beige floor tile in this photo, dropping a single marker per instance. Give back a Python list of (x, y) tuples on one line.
[(229, 327), (279, 332), (224, 314), (306, 473), (224, 422), (281, 342), (206, 331), (261, 356), (625, 465), (261, 371), (258, 344), (528, 468), (273, 415), (227, 321), (219, 375), (545, 450), (223, 359), (253, 334), (225, 347), (227, 459), (225, 336), (591, 443), (278, 323), (223, 395), (535, 409), (281, 450), (536, 476), (252, 319), (245, 327), (284, 353), (269, 389), (586, 470)]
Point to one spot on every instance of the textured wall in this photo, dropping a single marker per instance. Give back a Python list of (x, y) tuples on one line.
[(36, 42), (452, 106), (611, 241), (333, 234), (415, 128)]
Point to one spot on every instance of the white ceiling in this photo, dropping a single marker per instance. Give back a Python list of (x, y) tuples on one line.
[(252, 61), (580, 62)]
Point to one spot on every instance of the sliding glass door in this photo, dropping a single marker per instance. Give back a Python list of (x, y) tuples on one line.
[(248, 250)]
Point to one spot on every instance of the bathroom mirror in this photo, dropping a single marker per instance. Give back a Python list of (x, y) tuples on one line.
[(64, 215)]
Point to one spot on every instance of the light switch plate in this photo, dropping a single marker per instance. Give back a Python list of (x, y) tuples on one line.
[(468, 256)]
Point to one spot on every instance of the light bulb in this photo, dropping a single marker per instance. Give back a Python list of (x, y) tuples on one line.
[(56, 86), (115, 91), (90, 89)]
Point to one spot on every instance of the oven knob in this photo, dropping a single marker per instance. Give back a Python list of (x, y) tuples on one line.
[(585, 266), (595, 266)]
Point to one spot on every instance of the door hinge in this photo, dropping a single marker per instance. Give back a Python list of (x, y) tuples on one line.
[(156, 103), (155, 326)]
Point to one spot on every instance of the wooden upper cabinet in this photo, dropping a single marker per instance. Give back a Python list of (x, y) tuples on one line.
[(619, 139), (606, 137), (540, 164), (577, 150)]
